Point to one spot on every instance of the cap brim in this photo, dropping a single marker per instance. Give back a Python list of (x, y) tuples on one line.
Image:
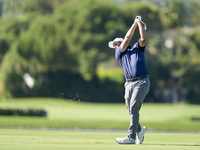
[(110, 44)]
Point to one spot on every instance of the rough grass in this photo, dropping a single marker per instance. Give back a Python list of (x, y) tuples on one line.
[(72, 114)]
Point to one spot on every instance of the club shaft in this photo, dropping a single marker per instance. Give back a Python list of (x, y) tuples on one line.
[(145, 27), (143, 22)]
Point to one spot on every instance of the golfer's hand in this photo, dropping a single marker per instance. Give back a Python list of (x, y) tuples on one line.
[(138, 19)]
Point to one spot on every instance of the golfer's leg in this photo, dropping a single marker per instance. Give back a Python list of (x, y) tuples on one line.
[(127, 95), (137, 98), (134, 120), (138, 128)]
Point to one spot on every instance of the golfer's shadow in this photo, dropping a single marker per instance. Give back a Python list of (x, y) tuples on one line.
[(169, 144)]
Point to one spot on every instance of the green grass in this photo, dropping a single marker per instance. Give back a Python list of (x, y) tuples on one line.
[(72, 114), (78, 140)]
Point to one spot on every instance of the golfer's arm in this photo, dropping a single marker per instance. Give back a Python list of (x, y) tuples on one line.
[(128, 37), (143, 35)]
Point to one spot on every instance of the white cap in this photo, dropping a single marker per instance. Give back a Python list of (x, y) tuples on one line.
[(110, 44)]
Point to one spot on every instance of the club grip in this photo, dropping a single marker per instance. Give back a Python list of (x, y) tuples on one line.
[(139, 18)]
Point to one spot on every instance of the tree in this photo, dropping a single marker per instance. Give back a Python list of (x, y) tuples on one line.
[(60, 47), (89, 30), (1, 8), (57, 43), (194, 13), (4, 46), (41, 6), (30, 6), (46, 43), (149, 13), (189, 63), (10, 30), (172, 15)]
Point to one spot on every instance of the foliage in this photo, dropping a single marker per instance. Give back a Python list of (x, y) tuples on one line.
[(149, 13), (61, 43), (194, 15), (30, 6), (89, 29), (19, 112), (1, 8), (172, 15)]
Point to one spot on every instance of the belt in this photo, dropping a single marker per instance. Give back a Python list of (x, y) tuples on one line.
[(137, 78)]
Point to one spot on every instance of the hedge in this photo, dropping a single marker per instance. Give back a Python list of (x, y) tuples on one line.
[(21, 112)]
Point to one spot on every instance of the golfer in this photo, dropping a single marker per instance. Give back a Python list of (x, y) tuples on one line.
[(132, 61)]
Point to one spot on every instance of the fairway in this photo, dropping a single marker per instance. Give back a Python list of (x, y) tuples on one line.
[(74, 114), (21, 139), (64, 117)]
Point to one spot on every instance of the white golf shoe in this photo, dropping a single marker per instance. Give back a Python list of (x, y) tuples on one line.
[(125, 140), (140, 135)]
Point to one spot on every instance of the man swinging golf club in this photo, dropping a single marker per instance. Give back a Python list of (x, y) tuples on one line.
[(132, 61)]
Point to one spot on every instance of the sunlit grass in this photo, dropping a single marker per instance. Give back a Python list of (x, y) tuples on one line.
[(20, 139), (74, 114)]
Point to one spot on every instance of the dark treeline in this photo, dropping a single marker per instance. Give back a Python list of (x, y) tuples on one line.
[(53, 48)]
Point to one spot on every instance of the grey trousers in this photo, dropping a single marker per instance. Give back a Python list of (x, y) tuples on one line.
[(135, 93)]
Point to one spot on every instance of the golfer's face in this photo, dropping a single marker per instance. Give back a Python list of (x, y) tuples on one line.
[(116, 44)]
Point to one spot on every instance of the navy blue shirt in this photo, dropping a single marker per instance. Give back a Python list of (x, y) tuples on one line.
[(132, 61)]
